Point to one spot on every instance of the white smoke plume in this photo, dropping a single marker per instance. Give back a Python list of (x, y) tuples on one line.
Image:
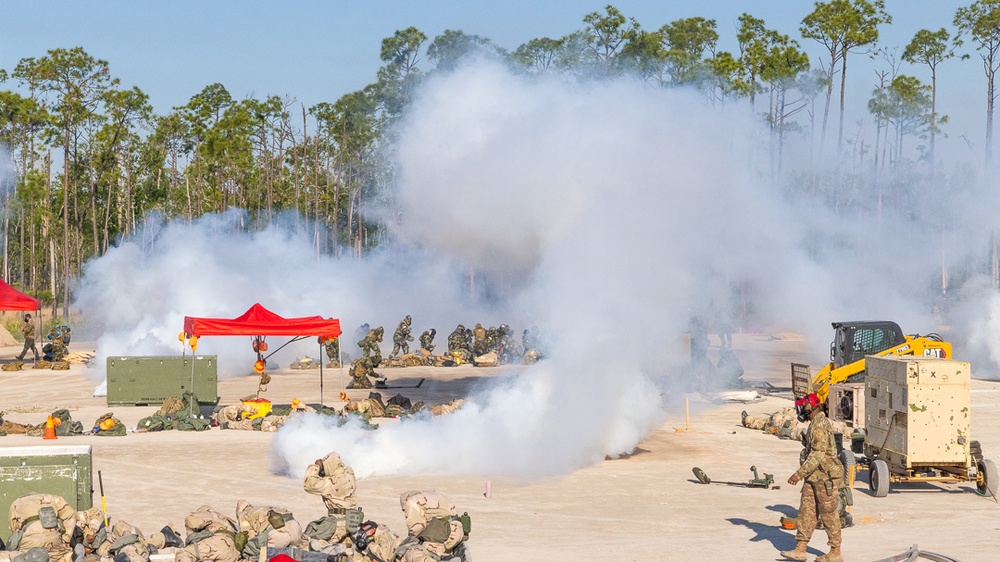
[(611, 213)]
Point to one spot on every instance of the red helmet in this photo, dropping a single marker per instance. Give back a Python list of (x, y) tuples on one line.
[(811, 400)]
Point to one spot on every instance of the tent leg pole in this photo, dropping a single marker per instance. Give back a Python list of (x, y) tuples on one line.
[(321, 375)]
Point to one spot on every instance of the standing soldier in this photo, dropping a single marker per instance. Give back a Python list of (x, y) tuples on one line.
[(401, 338), (823, 474), (28, 329), (332, 346)]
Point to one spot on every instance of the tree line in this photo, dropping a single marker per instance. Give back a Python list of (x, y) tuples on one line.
[(92, 158)]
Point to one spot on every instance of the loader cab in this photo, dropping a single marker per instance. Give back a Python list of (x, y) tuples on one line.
[(854, 340)]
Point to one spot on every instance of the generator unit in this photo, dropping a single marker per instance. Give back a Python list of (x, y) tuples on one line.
[(150, 379), (846, 403), (918, 424), (62, 471)]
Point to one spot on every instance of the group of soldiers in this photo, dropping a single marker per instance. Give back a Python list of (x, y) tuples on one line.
[(243, 416), (47, 529), (54, 352), (480, 346)]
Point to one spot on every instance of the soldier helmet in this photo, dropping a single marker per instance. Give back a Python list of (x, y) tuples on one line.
[(460, 328), (407, 319)]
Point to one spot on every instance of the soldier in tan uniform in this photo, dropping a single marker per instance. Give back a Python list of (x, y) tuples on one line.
[(266, 526), (823, 475), (122, 541), (45, 521), (434, 529), (211, 536), (333, 481)]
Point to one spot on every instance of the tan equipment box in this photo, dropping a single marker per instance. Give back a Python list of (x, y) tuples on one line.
[(846, 403), (917, 412)]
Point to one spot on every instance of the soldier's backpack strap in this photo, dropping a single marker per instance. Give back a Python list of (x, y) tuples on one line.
[(123, 541)]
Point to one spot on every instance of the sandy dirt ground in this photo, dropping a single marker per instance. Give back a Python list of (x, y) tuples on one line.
[(643, 507)]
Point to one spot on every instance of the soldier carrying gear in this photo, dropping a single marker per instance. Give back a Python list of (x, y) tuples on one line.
[(401, 338), (212, 536), (28, 330), (42, 520), (824, 475), (427, 340), (435, 530), (334, 481), (266, 527)]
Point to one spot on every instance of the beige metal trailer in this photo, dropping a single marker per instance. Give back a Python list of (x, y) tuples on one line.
[(918, 424)]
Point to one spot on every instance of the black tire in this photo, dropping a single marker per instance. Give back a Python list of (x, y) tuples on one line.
[(988, 480), (848, 459), (976, 450), (878, 478)]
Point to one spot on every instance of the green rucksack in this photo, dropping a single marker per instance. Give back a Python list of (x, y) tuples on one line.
[(156, 423), (192, 424)]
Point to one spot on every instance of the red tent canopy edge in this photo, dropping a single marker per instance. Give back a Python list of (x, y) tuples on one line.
[(259, 321), (12, 299)]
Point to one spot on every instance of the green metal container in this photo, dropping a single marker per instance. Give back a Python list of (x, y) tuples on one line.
[(149, 379), (62, 471)]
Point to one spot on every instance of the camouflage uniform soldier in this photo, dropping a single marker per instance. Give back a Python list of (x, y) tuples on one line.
[(123, 540), (334, 481), (55, 350), (823, 474), (509, 351), (435, 531), (402, 337), (332, 347), (427, 339), (266, 526), (371, 357), (45, 521), (28, 329), (211, 536), (479, 344)]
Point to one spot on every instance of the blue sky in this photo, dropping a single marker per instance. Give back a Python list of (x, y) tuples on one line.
[(318, 51)]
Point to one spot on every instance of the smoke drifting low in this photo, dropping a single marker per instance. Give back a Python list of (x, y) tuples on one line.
[(620, 211)]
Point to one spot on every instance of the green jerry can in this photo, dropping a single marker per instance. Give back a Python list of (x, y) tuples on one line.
[(149, 379), (62, 471)]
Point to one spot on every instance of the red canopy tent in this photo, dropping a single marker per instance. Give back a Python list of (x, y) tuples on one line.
[(12, 299), (259, 322)]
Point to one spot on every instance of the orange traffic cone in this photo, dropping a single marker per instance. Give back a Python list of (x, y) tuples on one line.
[(50, 428)]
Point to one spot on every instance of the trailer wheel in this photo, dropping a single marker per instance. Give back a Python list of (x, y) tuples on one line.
[(988, 479), (848, 460), (878, 478)]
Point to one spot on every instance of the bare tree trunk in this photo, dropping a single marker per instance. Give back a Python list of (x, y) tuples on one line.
[(65, 210), (829, 95), (843, 85)]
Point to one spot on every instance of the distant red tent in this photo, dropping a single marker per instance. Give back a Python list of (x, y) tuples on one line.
[(259, 321), (12, 299)]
